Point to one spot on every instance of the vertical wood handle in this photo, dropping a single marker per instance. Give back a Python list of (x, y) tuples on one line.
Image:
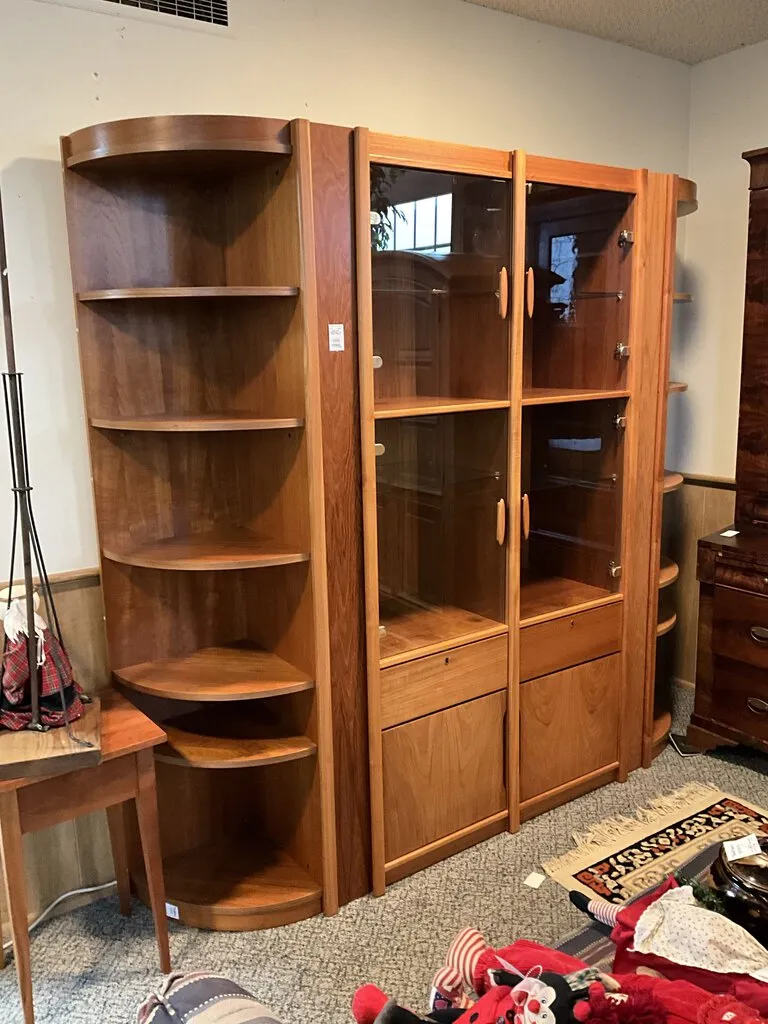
[(503, 293), (529, 291), (501, 521), (526, 517)]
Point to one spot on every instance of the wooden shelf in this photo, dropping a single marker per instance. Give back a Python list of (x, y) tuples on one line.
[(553, 596), (668, 572), (554, 396), (233, 549), (666, 622), (393, 408), (238, 885), (190, 424), (229, 738), (217, 674), (218, 292), (413, 631), (676, 387), (662, 726), (178, 143), (687, 197), (682, 297), (672, 482)]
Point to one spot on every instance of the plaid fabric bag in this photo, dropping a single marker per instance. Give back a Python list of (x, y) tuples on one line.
[(15, 707), (201, 998)]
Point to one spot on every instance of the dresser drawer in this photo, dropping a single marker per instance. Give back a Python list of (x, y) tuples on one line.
[(744, 579), (740, 626), (439, 681), (570, 640), (740, 698)]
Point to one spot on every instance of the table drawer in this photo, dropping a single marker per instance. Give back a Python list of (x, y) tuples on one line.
[(740, 698), (740, 626), (570, 640), (439, 681)]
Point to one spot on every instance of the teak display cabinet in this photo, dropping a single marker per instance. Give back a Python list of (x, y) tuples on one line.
[(510, 332), (192, 259)]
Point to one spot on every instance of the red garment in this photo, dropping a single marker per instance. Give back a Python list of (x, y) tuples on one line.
[(15, 685)]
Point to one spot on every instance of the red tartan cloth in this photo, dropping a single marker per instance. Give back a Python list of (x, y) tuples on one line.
[(16, 689)]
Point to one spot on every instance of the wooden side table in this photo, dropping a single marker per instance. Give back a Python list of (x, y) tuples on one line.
[(126, 773)]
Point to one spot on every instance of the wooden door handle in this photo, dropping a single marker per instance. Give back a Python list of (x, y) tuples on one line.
[(503, 293), (501, 521), (759, 635), (529, 291), (526, 517)]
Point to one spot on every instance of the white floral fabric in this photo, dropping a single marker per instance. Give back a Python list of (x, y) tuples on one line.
[(679, 929)]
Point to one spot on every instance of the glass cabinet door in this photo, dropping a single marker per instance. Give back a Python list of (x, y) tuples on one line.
[(572, 462), (579, 255), (440, 247), (441, 484)]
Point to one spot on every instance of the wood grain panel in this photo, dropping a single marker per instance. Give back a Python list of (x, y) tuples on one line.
[(438, 156), (446, 847), (443, 773), (332, 171), (579, 174), (568, 725), (426, 685), (569, 640), (736, 614)]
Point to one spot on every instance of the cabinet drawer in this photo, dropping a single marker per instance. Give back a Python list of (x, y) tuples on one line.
[(570, 640), (744, 579), (740, 626), (740, 698), (442, 773), (429, 684), (569, 725)]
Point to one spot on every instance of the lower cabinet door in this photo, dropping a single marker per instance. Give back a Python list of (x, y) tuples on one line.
[(443, 772), (569, 725)]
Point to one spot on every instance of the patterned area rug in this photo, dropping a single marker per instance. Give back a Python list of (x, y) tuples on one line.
[(622, 857)]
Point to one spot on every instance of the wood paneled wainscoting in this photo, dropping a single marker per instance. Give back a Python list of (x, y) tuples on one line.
[(75, 854), (700, 507)]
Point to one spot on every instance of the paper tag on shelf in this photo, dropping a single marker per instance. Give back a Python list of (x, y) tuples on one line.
[(171, 910), (336, 337), (535, 880), (729, 533), (736, 849)]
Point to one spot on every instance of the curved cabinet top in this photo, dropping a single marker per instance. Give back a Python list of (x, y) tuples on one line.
[(175, 141)]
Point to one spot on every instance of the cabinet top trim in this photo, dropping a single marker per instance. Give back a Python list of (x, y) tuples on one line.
[(439, 156)]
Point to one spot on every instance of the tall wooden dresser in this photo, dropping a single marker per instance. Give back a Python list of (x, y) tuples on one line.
[(732, 664)]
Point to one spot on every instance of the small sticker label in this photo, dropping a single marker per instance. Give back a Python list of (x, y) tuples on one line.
[(534, 880), (729, 533), (736, 849), (171, 910), (336, 337)]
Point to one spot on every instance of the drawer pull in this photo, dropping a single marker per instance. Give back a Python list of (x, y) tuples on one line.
[(757, 706), (502, 295), (501, 521), (526, 517), (530, 294), (759, 634)]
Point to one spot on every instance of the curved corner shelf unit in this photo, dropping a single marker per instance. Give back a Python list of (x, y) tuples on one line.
[(662, 726), (682, 297), (676, 387), (163, 213), (687, 197), (666, 623)]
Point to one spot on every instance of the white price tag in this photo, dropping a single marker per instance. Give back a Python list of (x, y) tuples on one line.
[(171, 910), (729, 533), (735, 849), (535, 880), (336, 337)]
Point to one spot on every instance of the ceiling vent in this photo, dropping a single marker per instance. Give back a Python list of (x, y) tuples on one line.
[(212, 12)]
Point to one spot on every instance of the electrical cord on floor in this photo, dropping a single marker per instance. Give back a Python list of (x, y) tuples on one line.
[(64, 896)]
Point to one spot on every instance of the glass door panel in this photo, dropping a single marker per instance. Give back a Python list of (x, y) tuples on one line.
[(440, 246), (572, 463), (441, 482), (579, 251)]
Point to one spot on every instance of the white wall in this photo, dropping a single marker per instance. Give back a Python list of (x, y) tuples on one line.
[(436, 68), (729, 115)]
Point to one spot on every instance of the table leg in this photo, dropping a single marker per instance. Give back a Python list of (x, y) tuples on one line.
[(149, 829), (117, 839), (15, 883)]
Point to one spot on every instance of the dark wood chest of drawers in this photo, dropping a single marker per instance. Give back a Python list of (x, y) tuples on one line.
[(732, 658)]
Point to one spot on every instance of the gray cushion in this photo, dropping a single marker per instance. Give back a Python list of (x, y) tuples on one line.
[(203, 999)]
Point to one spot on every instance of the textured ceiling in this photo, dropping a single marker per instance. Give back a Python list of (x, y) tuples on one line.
[(686, 30)]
